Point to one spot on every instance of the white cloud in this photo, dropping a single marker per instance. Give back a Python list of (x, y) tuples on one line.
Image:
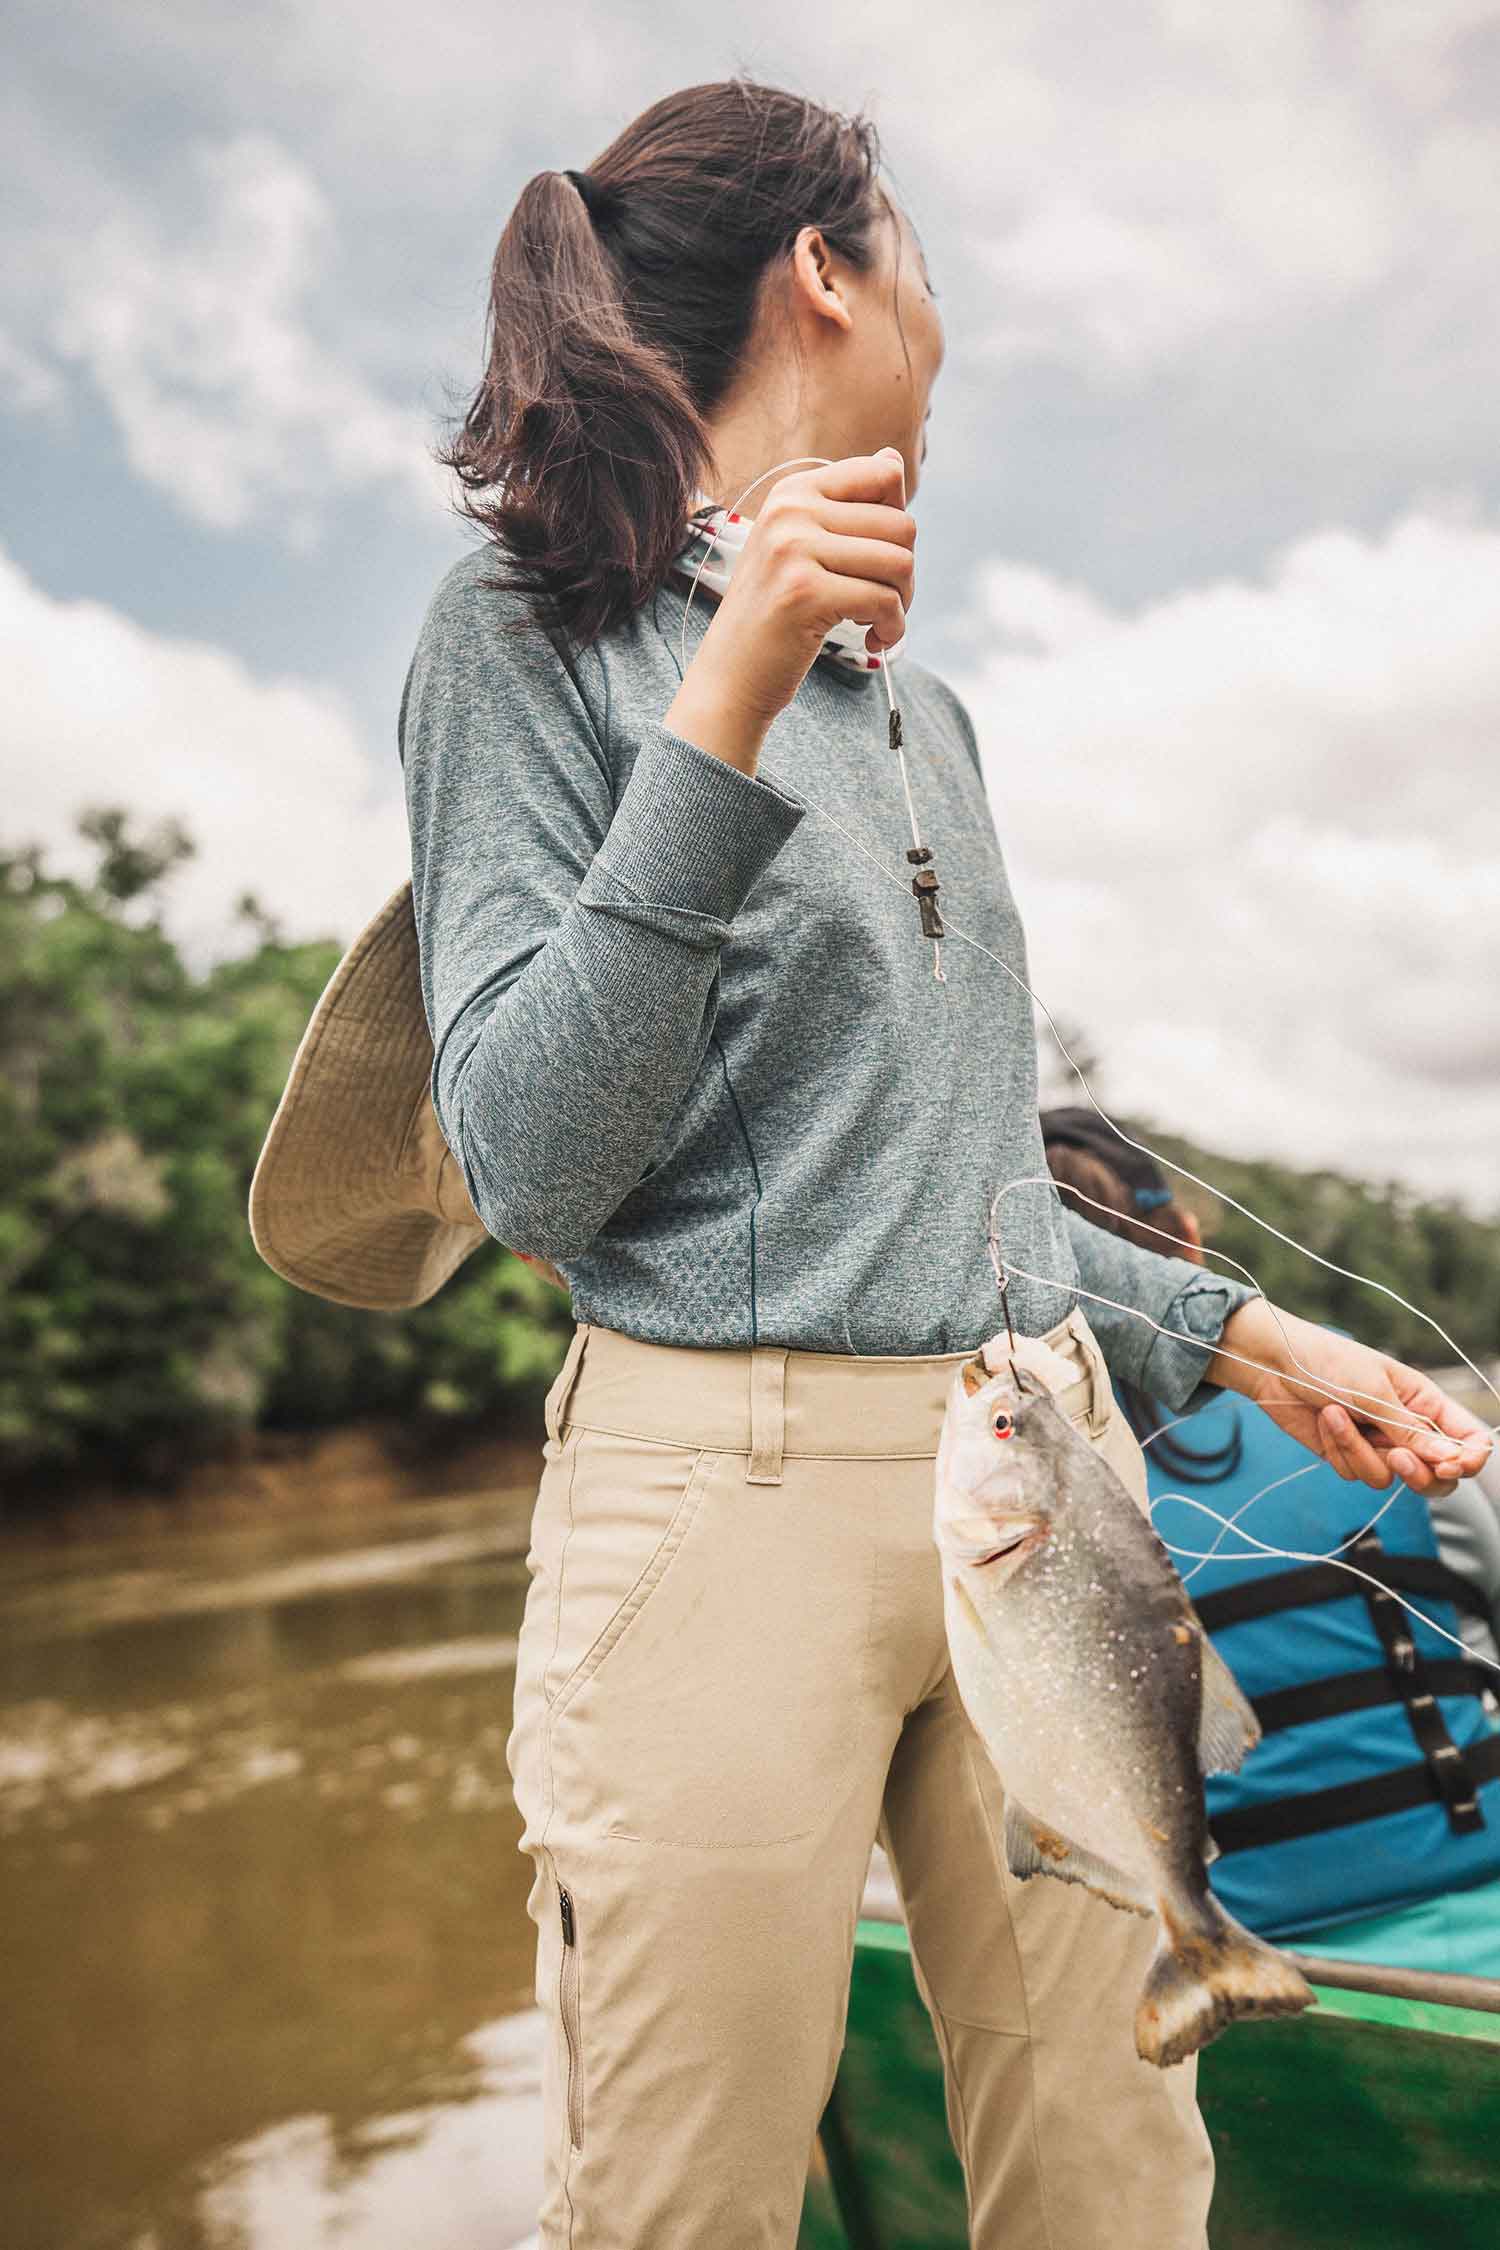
[(1235, 199), (1211, 275), (27, 384), (194, 324), (1418, 54), (1072, 275), (267, 776), (1252, 828), (1188, 175)]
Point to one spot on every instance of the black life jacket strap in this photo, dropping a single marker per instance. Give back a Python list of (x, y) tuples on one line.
[(1317, 1809), (1342, 1692), (1325, 1582), (1447, 1772)]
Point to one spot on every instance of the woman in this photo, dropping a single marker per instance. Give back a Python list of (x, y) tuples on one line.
[(1366, 1823), (689, 1049)]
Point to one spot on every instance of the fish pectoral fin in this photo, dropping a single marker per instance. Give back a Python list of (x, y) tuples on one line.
[(966, 1606), (1228, 1729), (1032, 1848)]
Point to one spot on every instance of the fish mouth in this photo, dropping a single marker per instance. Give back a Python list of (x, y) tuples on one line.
[(1023, 1541), (976, 1544)]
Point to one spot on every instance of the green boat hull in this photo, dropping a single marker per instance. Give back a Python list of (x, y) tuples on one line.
[(1371, 2122)]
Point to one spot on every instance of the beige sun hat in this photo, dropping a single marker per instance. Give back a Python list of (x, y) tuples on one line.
[(356, 1195)]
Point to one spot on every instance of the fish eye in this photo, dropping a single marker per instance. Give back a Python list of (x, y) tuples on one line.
[(1003, 1425)]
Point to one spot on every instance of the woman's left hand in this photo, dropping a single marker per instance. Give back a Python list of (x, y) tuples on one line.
[(1379, 1437)]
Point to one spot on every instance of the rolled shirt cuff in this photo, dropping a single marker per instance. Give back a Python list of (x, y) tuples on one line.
[(690, 834), (1173, 1367)]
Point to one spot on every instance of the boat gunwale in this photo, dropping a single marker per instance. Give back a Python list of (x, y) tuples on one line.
[(1410, 2000)]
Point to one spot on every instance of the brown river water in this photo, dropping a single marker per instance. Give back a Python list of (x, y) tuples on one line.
[(265, 1963), (265, 1976)]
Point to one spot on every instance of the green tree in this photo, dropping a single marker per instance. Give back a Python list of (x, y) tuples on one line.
[(138, 1326)]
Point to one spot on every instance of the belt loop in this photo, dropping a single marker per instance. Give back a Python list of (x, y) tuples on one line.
[(1102, 1397), (767, 1413), (562, 1386)]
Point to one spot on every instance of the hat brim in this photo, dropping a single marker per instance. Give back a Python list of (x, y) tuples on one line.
[(356, 1196)]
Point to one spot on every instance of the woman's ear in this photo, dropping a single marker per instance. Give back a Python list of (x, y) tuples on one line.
[(1193, 1245)]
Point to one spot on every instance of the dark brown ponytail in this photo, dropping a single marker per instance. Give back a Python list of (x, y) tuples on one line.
[(616, 327)]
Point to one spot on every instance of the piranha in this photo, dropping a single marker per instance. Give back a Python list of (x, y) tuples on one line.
[(1096, 1692)]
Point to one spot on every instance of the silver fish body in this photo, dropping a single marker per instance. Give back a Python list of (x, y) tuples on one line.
[(1097, 1694)]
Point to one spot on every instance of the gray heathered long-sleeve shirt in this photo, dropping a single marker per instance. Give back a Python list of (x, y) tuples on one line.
[(688, 1043)]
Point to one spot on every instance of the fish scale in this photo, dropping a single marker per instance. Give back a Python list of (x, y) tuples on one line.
[(1096, 1694)]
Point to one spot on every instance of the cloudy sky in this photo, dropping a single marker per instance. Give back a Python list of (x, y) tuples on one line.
[(1209, 526)]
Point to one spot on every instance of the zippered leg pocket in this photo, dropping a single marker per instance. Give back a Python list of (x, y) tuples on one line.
[(567, 2002)]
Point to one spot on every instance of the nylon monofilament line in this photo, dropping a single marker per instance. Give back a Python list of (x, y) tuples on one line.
[(1290, 1554), (924, 883), (1365, 1280), (1232, 1523), (1340, 1395), (951, 930), (1197, 1556)]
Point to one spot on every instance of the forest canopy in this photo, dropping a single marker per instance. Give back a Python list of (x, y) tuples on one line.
[(140, 1330)]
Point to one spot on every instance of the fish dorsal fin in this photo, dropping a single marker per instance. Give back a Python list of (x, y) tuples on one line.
[(1228, 1729), (1032, 1848)]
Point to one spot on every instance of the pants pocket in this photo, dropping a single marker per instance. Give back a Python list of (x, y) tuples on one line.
[(603, 1530), (727, 1708), (626, 1507)]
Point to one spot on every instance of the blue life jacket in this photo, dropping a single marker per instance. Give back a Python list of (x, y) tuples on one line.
[(1377, 1781)]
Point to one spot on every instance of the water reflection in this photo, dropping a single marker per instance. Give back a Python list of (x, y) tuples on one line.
[(460, 2171), (267, 1971)]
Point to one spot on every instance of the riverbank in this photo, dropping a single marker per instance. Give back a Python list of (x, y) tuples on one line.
[(359, 1466)]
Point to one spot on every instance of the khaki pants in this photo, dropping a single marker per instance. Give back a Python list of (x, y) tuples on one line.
[(732, 1678)]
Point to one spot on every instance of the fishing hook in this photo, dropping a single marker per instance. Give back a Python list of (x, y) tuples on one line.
[(1002, 1282)]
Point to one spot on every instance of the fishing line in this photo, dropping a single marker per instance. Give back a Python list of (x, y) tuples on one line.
[(1244, 1509), (1199, 1557), (1245, 1506), (1224, 1197), (1232, 1523), (925, 883), (932, 926), (1291, 1555), (1177, 1337), (1288, 1554), (1339, 1396)]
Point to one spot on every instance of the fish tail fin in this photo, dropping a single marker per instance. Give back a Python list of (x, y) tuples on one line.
[(1208, 1972)]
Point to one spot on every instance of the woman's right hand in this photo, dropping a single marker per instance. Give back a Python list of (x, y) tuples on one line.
[(828, 543)]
